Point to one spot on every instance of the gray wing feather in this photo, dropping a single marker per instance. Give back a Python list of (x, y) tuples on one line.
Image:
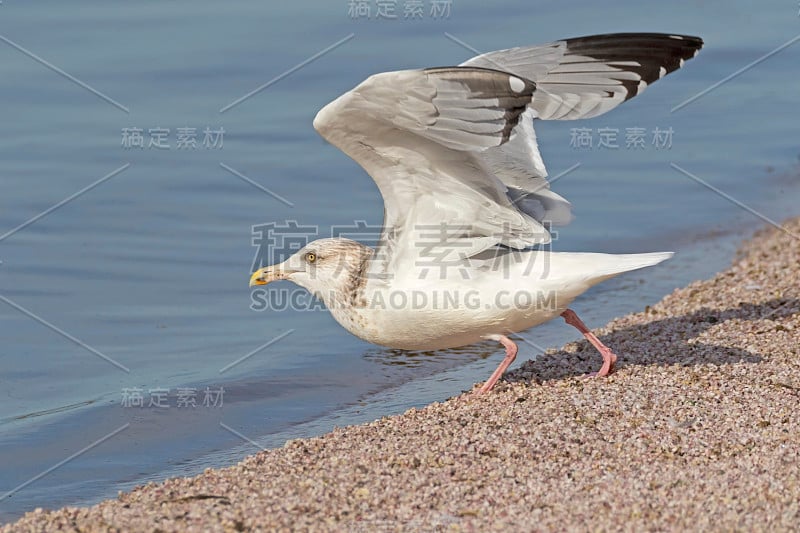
[(575, 78), (604, 69), (457, 144)]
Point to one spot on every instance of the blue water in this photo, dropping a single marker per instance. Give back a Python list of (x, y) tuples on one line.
[(150, 267)]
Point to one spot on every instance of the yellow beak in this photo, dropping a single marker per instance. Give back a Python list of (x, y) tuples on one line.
[(262, 277)]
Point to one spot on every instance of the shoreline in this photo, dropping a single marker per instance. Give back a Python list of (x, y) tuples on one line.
[(697, 429)]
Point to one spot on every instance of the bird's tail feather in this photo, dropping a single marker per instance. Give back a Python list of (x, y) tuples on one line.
[(610, 265), (589, 269)]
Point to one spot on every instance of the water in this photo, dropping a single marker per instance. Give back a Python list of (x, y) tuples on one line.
[(150, 267)]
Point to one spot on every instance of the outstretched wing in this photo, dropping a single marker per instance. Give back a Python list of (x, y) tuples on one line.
[(575, 78), (453, 150), (418, 133), (586, 76)]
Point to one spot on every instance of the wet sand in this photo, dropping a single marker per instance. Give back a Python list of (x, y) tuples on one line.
[(698, 429)]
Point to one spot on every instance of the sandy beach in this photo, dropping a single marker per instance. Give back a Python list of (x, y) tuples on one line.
[(698, 429)]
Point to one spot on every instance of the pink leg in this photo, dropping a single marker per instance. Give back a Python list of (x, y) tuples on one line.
[(511, 354), (609, 357)]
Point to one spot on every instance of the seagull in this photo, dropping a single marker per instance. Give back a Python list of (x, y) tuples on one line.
[(463, 255)]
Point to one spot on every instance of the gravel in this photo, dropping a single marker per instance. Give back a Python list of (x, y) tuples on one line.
[(698, 429)]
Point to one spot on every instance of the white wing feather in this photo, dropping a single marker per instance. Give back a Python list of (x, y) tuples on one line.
[(453, 150)]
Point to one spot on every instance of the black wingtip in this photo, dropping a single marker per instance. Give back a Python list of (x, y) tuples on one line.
[(657, 54), (669, 39)]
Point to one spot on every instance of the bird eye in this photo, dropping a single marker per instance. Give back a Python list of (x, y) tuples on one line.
[(311, 257)]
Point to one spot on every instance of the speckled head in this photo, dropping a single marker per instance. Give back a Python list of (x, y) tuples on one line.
[(329, 268)]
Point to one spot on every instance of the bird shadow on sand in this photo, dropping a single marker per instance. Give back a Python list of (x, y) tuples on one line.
[(666, 341), (663, 341)]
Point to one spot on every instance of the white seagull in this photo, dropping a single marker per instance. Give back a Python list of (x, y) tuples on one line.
[(467, 202)]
